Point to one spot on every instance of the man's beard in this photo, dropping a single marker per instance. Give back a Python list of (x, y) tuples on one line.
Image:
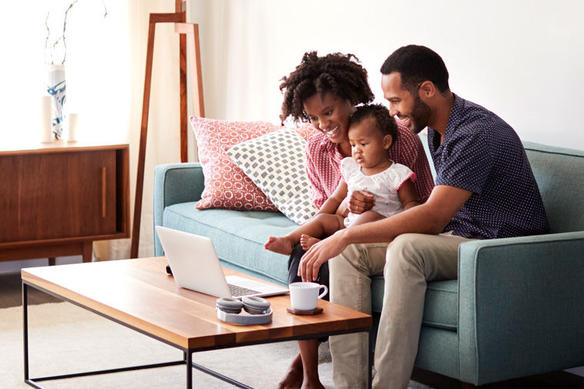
[(420, 115)]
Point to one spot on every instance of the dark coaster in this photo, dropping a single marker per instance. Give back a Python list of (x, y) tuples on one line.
[(314, 311)]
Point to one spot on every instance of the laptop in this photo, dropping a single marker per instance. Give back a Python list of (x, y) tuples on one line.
[(195, 266)]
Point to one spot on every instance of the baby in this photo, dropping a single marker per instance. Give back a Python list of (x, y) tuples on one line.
[(371, 132)]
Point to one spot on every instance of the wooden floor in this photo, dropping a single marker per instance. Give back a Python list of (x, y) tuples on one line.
[(10, 296)]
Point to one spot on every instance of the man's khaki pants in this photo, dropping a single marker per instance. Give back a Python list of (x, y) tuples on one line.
[(407, 264)]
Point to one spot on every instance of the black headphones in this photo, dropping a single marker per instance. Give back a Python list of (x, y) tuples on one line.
[(258, 308)]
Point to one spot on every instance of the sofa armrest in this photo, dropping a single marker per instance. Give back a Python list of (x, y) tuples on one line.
[(521, 306), (173, 184)]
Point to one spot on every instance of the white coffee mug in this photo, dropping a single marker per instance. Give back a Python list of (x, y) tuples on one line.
[(304, 295)]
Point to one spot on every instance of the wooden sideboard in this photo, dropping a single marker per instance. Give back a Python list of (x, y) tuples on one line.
[(57, 198)]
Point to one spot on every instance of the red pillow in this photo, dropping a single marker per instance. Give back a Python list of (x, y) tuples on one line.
[(306, 131), (226, 186)]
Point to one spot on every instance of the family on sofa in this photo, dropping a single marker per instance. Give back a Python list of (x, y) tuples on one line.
[(484, 189)]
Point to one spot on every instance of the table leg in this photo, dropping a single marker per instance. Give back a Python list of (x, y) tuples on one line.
[(25, 328), (189, 356)]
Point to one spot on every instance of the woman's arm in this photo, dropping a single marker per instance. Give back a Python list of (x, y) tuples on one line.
[(319, 196), (332, 204)]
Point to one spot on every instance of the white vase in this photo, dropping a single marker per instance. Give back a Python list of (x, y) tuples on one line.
[(56, 87)]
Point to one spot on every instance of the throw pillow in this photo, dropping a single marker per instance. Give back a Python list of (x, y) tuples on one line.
[(226, 186), (306, 131), (276, 163)]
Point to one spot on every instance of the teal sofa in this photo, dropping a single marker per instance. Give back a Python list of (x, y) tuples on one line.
[(517, 308)]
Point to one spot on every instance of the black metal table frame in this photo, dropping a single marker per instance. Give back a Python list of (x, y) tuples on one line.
[(187, 352)]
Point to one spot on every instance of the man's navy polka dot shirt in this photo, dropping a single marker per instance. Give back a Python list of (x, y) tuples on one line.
[(483, 154)]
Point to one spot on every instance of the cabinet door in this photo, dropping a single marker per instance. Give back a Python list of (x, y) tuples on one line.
[(58, 195)]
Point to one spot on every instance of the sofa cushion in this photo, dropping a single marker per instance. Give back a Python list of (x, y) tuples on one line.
[(554, 168), (226, 186), (440, 306), (238, 236), (276, 163)]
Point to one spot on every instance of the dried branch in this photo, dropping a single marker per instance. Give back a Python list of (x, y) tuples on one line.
[(63, 37), (65, 29)]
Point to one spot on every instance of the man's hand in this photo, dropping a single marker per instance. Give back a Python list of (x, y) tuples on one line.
[(320, 253), (361, 201)]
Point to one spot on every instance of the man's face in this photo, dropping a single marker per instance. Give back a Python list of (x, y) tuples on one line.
[(408, 108)]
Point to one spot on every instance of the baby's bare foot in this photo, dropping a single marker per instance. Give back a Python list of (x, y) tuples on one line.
[(279, 244), (306, 241)]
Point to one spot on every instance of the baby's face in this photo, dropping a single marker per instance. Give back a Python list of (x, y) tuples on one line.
[(368, 144)]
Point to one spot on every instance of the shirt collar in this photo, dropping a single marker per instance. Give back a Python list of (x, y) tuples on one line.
[(331, 148), (453, 119)]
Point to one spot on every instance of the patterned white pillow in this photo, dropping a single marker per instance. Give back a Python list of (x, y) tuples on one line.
[(276, 163)]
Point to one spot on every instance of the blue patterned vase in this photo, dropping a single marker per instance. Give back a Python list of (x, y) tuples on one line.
[(56, 87)]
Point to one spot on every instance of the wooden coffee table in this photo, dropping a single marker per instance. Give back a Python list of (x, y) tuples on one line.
[(138, 294)]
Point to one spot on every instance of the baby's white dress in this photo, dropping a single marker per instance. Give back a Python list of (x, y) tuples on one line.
[(383, 186)]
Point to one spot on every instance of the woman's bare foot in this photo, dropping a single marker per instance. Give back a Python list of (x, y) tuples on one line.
[(293, 379), (312, 385), (306, 241), (279, 244)]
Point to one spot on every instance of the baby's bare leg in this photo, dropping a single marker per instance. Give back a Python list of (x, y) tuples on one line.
[(321, 225), (367, 217)]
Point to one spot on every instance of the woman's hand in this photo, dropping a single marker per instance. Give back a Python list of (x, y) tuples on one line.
[(320, 253), (361, 201)]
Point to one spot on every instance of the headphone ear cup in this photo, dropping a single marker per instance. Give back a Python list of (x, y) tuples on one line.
[(255, 305), (229, 305)]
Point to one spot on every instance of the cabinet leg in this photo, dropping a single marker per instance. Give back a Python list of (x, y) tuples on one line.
[(87, 251), (51, 261)]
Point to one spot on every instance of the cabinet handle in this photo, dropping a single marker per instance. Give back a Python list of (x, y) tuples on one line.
[(103, 192)]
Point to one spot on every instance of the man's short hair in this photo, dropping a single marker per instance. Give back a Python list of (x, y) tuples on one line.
[(417, 64)]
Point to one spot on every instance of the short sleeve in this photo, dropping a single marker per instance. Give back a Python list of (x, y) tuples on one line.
[(319, 195), (466, 163), (348, 166), (400, 174)]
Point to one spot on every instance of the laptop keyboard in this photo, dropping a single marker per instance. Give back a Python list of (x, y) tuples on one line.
[(237, 291)]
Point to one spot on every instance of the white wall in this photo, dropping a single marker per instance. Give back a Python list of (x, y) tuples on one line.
[(524, 60)]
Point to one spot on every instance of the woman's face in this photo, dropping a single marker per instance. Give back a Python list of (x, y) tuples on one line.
[(329, 114)]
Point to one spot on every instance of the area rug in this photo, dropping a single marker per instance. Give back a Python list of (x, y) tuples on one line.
[(66, 339)]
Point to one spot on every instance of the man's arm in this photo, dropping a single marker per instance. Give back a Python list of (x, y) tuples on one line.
[(428, 218)]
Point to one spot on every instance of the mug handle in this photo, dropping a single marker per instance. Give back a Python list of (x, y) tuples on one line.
[(323, 293)]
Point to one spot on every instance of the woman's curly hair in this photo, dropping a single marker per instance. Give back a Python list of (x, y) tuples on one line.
[(340, 74)]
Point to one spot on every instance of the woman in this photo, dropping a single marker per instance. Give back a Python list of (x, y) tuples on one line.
[(324, 91)]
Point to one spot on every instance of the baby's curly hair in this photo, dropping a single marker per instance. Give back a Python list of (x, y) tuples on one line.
[(383, 121), (340, 74)]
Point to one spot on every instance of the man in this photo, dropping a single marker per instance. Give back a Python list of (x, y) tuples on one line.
[(484, 189)]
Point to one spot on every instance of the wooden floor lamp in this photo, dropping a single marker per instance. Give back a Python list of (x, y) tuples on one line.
[(188, 33)]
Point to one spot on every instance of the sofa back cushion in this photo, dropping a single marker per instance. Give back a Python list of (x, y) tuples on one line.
[(559, 174)]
